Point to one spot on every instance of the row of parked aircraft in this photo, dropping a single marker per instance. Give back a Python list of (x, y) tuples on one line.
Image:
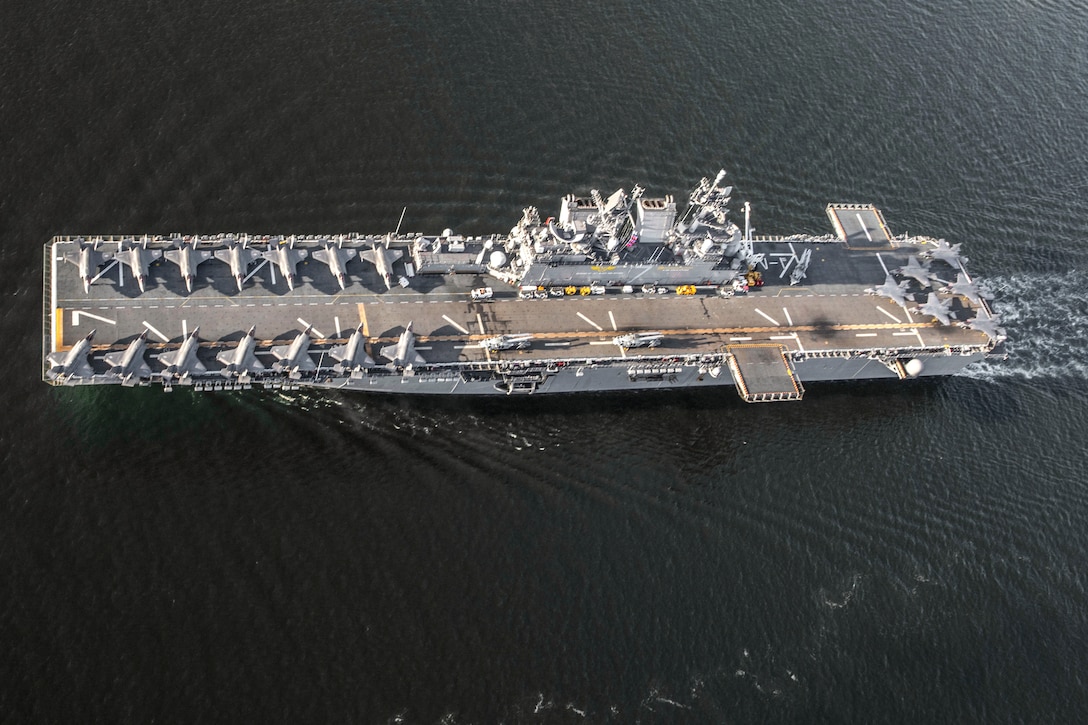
[(129, 365), (918, 269), (137, 256)]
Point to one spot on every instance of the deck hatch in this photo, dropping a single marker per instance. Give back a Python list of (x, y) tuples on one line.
[(763, 373)]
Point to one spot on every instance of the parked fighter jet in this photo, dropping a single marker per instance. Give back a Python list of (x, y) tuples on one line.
[(241, 361), (295, 357), (352, 355), (638, 339), (945, 252), (337, 258), (990, 326), (800, 270), (129, 364), (182, 363), (88, 259), (239, 257), (403, 354), (936, 307), (187, 257), (71, 364), (915, 270), (895, 291), (382, 257), (507, 342), (965, 287), (137, 257), (286, 257)]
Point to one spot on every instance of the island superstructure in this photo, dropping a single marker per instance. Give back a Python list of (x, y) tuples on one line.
[(614, 293)]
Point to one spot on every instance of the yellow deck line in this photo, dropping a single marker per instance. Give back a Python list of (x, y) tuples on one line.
[(58, 329)]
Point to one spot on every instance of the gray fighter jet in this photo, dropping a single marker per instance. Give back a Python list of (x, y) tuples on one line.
[(936, 307), (71, 364), (965, 287), (950, 254), (352, 355), (800, 270), (337, 258), (990, 326), (285, 256), (137, 257), (295, 357), (241, 361), (182, 363), (638, 339), (129, 364), (403, 354), (88, 259), (895, 291), (917, 271), (507, 342), (187, 257), (382, 257), (239, 257)]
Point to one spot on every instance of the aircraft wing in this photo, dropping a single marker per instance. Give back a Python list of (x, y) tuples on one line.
[(223, 255), (306, 363), (280, 351), (418, 359), (338, 352), (80, 368), (389, 352), (114, 359), (321, 255), (369, 255), (170, 358), (395, 255)]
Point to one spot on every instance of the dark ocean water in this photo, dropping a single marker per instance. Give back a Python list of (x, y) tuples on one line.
[(877, 553)]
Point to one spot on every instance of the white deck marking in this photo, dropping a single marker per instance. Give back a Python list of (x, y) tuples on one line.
[(765, 315), (612, 320), (423, 347), (797, 339), (864, 228), (480, 322), (919, 335), (158, 334), (905, 334), (864, 334), (255, 270), (447, 319), (337, 321), (881, 260), (120, 275), (184, 328), (76, 314), (557, 344), (740, 339), (272, 269), (600, 342), (789, 320), (591, 322), (105, 269), (894, 318), (780, 337), (313, 329)]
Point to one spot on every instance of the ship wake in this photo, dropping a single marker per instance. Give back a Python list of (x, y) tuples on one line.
[(1046, 318)]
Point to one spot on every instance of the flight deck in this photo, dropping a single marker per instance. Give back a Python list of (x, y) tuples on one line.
[(378, 313)]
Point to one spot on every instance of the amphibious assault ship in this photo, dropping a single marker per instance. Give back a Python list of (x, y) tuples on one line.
[(622, 292)]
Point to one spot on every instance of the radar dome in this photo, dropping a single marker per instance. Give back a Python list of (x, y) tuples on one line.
[(498, 259), (913, 367)]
